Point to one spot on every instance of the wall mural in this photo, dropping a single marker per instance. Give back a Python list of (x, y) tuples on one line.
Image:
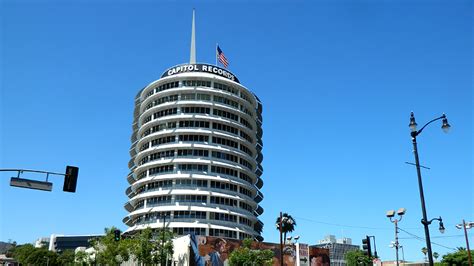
[(215, 251)]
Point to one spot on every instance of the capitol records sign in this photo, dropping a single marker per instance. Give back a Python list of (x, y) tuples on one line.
[(203, 68)]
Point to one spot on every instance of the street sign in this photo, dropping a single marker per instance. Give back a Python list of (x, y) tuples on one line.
[(31, 184), (302, 254)]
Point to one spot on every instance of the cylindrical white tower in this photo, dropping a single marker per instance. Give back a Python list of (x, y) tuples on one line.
[(196, 155)]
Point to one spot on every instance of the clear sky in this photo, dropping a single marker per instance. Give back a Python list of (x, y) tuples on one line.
[(338, 80)]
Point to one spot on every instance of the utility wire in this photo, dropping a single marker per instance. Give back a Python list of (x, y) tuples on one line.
[(434, 237), (354, 226), (343, 225), (350, 226), (424, 240)]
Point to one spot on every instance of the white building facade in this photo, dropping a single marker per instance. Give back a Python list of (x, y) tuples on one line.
[(337, 248), (196, 155)]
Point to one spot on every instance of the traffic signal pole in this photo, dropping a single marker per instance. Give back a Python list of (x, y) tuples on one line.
[(70, 179), (375, 248)]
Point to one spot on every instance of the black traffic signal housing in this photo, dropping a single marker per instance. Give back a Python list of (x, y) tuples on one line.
[(117, 235), (366, 246), (70, 179)]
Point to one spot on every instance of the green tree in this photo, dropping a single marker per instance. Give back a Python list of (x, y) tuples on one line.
[(165, 245), (20, 253), (66, 257), (152, 246), (357, 258), (143, 248), (81, 258), (42, 256), (109, 251), (460, 257), (245, 255), (27, 254), (287, 225)]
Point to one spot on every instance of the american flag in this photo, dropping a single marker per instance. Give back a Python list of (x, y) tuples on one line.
[(222, 57)]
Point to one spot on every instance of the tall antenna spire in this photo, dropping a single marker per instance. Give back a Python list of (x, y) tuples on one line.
[(192, 58)]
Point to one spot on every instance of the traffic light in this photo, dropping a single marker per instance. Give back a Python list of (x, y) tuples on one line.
[(117, 235), (366, 246), (70, 179)]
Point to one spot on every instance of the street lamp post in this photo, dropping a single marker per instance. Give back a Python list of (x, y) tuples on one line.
[(466, 226), (414, 133), (163, 260), (390, 215)]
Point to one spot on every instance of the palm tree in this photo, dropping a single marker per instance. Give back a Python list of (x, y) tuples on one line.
[(435, 255), (424, 250), (288, 224)]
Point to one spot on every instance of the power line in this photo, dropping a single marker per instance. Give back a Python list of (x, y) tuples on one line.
[(423, 239), (343, 225), (435, 237), (351, 226)]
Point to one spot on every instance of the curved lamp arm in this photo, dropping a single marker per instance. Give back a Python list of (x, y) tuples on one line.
[(418, 132)]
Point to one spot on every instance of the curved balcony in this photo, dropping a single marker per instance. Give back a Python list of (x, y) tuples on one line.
[(126, 220), (131, 178), (130, 193), (131, 163), (259, 158), (259, 170), (128, 206), (258, 211), (258, 226), (259, 197), (259, 183), (132, 150)]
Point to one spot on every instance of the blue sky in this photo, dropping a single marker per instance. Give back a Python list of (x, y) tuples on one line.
[(338, 80)]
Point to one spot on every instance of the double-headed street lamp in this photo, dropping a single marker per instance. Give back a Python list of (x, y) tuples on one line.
[(466, 226), (390, 215), (414, 133)]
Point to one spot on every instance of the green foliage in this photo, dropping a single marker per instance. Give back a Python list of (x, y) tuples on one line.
[(151, 247), (357, 258), (165, 245), (21, 253), (42, 256), (458, 258), (245, 255), (148, 247), (66, 257), (81, 258), (109, 251), (29, 255)]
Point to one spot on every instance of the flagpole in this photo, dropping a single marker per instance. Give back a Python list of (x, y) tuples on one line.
[(216, 52)]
